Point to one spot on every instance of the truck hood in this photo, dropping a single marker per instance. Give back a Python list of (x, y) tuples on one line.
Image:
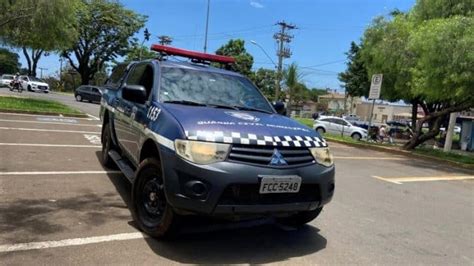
[(220, 125)]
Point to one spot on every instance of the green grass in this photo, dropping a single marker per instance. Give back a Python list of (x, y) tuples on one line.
[(306, 121), (35, 106), (448, 156)]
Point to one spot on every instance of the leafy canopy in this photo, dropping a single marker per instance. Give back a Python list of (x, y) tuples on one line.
[(236, 49)]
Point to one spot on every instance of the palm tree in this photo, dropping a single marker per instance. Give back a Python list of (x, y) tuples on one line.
[(292, 82)]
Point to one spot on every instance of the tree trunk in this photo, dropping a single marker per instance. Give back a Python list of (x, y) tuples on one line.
[(32, 60), (28, 59), (414, 114), (435, 119)]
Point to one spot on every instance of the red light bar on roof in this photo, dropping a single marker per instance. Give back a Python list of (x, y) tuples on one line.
[(192, 54)]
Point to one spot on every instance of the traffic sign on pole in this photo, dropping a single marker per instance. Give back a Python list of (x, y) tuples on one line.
[(375, 87)]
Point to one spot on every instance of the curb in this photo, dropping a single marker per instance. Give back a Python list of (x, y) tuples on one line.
[(43, 113), (404, 153)]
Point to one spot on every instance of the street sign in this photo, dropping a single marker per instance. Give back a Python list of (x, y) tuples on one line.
[(375, 86)]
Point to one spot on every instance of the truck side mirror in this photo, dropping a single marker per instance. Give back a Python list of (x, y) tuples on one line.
[(279, 108), (134, 93)]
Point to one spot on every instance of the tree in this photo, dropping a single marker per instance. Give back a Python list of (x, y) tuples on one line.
[(13, 12), (50, 27), (314, 93), (236, 49), (265, 81), (427, 59), (9, 61), (355, 78), (138, 51), (295, 90), (105, 32)]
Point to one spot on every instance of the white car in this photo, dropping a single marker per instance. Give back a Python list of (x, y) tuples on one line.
[(34, 84), (337, 125), (457, 129), (6, 79)]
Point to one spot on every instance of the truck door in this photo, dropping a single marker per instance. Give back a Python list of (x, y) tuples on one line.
[(125, 112), (139, 111)]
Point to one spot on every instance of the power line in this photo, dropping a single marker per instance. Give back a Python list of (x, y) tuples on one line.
[(165, 40)]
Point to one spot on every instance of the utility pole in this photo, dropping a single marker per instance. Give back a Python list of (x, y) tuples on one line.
[(165, 40), (448, 142), (41, 69), (282, 38), (207, 25)]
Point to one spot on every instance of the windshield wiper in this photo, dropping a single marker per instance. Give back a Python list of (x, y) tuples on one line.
[(184, 102), (246, 108)]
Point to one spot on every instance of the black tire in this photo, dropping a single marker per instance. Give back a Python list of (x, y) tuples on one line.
[(301, 218), (79, 98), (356, 136), (107, 145), (321, 130), (150, 208), (29, 88)]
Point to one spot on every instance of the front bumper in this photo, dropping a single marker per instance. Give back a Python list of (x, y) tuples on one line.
[(233, 188)]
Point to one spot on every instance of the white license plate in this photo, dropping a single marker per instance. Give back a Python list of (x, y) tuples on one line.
[(280, 184)]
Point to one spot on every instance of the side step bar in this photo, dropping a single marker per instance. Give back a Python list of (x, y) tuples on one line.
[(123, 165)]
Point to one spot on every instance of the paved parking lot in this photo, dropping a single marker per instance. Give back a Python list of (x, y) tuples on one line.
[(58, 205)]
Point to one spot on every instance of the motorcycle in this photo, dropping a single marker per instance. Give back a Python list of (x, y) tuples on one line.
[(16, 85)]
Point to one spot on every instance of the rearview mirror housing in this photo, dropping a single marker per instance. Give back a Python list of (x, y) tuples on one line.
[(134, 93), (279, 108)]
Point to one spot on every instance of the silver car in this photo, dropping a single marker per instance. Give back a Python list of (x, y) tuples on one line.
[(6, 79), (337, 125)]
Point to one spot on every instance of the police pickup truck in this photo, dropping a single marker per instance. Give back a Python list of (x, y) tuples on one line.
[(198, 140)]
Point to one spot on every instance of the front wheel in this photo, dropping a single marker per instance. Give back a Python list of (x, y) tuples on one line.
[(107, 145), (151, 210), (356, 136), (79, 98), (321, 131), (301, 218)]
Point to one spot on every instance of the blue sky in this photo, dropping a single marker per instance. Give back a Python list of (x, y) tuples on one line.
[(325, 29)]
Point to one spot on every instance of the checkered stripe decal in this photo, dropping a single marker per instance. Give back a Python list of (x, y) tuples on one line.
[(252, 139)]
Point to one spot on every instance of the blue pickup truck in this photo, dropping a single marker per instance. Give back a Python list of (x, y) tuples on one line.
[(199, 140)]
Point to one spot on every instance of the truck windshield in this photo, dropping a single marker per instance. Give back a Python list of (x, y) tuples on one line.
[(207, 88)]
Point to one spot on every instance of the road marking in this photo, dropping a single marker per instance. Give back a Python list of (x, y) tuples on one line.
[(50, 145), (61, 173), (50, 123), (70, 242), (370, 158), (94, 139), (401, 180), (52, 116), (93, 117), (49, 130)]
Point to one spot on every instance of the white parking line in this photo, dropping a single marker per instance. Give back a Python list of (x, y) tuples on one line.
[(61, 173), (401, 180), (93, 117), (371, 158), (49, 130), (50, 123), (70, 242), (52, 116), (94, 139), (50, 145)]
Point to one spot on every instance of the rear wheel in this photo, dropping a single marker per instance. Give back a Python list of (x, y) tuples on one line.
[(151, 210), (107, 145), (356, 136), (79, 98), (320, 130), (301, 218)]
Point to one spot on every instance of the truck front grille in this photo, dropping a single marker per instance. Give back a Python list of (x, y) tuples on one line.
[(248, 194), (262, 155)]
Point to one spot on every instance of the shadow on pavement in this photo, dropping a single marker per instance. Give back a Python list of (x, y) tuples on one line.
[(210, 241)]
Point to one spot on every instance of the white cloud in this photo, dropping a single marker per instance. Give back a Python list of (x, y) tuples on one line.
[(256, 4)]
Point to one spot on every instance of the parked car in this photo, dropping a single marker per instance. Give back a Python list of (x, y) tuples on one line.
[(6, 79), (337, 125), (88, 93), (457, 129), (34, 84), (184, 134)]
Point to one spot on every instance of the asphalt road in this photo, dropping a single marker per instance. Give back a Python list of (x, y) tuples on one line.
[(58, 205)]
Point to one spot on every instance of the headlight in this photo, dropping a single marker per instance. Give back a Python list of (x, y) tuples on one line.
[(322, 156), (201, 152)]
